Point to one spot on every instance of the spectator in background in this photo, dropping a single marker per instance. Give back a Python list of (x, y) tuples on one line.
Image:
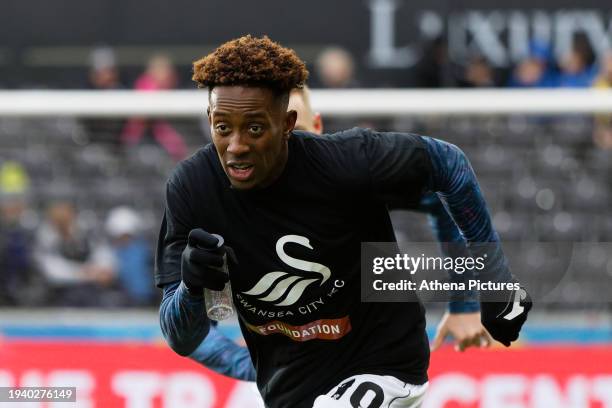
[(159, 76), (603, 80), (17, 272), (79, 270), (577, 66), (602, 135), (103, 71), (104, 76), (434, 69), (336, 68), (478, 73), (537, 70), (132, 256)]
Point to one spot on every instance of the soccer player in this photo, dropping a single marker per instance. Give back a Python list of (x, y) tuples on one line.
[(295, 207), (461, 321)]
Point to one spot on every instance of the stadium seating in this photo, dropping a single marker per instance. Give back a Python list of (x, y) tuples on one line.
[(543, 177)]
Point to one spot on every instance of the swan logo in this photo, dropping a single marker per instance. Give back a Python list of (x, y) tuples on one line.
[(283, 288)]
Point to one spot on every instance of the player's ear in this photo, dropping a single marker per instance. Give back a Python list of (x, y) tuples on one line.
[(290, 119), (317, 123)]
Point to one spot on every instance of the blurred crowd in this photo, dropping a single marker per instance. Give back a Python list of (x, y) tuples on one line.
[(57, 261), (51, 253), (336, 68), (578, 67)]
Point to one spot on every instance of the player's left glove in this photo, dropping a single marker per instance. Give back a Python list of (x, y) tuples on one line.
[(504, 320), (201, 262)]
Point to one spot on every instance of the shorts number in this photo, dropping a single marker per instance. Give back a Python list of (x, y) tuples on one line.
[(360, 392)]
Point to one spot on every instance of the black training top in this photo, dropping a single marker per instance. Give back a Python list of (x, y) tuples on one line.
[(297, 284)]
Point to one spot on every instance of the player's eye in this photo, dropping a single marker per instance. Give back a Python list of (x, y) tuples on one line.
[(222, 129), (256, 129)]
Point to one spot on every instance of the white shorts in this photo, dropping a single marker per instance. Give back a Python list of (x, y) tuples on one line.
[(372, 391)]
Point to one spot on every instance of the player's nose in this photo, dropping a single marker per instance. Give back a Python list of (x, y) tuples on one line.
[(237, 145)]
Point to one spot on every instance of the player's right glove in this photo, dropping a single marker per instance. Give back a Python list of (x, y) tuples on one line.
[(504, 320), (201, 262)]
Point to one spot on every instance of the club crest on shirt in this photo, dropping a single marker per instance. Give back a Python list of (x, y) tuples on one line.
[(283, 288), (280, 294)]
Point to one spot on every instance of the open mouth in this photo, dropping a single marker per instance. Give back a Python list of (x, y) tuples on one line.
[(240, 171)]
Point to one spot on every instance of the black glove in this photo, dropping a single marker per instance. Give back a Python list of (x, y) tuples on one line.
[(504, 320), (202, 261)]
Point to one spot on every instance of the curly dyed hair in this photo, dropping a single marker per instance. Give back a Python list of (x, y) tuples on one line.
[(251, 61)]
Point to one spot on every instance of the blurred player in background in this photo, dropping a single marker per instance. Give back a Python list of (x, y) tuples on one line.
[(263, 187)]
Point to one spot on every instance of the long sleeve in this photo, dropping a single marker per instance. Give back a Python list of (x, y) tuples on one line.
[(451, 243), (454, 180), (222, 355), (402, 167), (441, 223), (182, 319)]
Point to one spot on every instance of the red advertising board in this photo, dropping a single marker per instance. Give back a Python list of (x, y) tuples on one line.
[(532, 377), (142, 375)]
